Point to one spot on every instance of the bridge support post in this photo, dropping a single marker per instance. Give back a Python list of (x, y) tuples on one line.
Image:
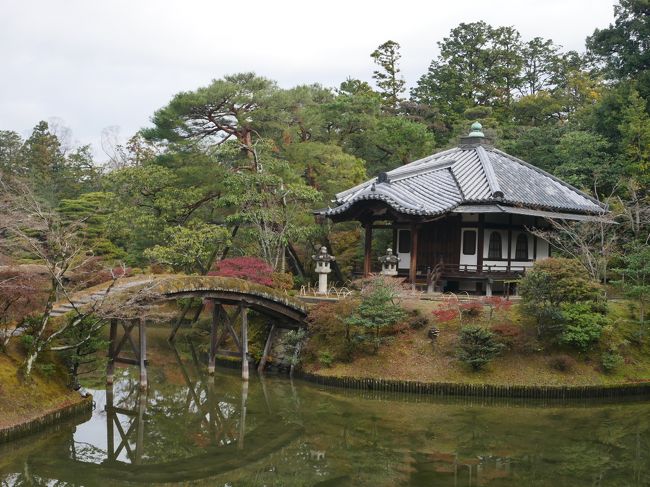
[(110, 366), (244, 342), (213, 336), (139, 443), (242, 419), (267, 349), (143, 353), (110, 423)]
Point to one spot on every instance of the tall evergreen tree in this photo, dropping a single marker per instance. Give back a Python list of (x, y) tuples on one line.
[(623, 48), (10, 144), (391, 85), (236, 107), (635, 139), (478, 65), (540, 59)]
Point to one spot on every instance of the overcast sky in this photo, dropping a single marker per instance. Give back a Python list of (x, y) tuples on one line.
[(96, 64)]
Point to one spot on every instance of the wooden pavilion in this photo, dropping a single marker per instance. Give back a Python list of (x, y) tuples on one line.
[(463, 215)]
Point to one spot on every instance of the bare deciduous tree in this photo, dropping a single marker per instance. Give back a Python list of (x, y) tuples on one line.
[(29, 227), (593, 243)]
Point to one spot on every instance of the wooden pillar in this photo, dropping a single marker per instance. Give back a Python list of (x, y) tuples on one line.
[(267, 399), (394, 239), (534, 247), (213, 336), (267, 349), (480, 244), (244, 342), (139, 442), (143, 353), (110, 423), (367, 250), (212, 413), (509, 240), (110, 366), (242, 419), (414, 254)]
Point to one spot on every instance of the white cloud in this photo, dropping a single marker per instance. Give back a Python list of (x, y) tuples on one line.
[(96, 64)]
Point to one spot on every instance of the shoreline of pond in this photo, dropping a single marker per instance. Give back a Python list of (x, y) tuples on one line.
[(466, 389), (460, 389), (47, 418)]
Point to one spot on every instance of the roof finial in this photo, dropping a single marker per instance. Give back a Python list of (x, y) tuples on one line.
[(477, 130)]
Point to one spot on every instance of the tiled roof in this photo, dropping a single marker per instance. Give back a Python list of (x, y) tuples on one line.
[(469, 174)]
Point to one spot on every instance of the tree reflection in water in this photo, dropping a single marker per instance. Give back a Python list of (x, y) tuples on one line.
[(190, 428)]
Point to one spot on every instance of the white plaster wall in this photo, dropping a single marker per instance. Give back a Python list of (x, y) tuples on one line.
[(542, 249)]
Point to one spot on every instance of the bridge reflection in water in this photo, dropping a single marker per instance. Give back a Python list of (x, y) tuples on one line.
[(207, 413), (191, 428), (218, 414)]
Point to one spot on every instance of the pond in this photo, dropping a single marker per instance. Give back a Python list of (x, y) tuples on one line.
[(190, 429)]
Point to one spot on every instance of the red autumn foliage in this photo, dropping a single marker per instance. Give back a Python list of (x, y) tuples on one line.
[(471, 309), (442, 315), (498, 303), (22, 291), (510, 334), (247, 268)]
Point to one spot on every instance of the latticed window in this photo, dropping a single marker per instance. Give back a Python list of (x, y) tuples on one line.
[(521, 250), (494, 249)]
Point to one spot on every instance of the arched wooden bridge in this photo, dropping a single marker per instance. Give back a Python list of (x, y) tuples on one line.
[(237, 294)]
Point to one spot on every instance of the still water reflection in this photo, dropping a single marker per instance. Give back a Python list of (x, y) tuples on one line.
[(190, 429)]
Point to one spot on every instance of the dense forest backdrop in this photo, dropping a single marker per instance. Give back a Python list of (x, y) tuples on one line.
[(238, 166)]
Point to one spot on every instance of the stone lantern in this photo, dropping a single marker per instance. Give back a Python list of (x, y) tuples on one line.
[(389, 263), (323, 260)]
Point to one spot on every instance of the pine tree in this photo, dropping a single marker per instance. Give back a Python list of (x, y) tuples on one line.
[(389, 82), (635, 138)]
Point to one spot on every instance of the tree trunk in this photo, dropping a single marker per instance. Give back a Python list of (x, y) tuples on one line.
[(297, 266), (29, 363), (38, 344)]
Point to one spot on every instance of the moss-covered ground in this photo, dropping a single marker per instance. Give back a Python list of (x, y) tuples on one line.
[(409, 354), (46, 391)]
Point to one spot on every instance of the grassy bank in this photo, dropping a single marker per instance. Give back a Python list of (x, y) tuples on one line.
[(21, 401), (409, 354)]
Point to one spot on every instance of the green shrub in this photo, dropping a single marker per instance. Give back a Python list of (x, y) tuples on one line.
[(550, 284), (638, 336), (477, 346), (635, 277), (47, 369), (326, 358), (379, 308), (582, 327), (27, 341), (291, 341), (611, 360)]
